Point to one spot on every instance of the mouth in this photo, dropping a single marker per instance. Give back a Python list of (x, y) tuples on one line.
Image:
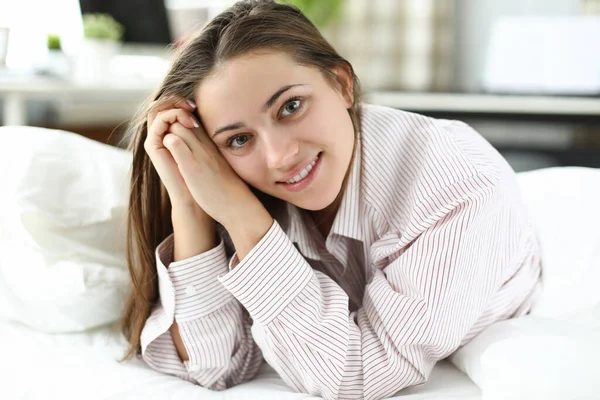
[(304, 177)]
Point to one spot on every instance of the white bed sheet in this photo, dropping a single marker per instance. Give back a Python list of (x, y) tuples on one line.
[(36, 365)]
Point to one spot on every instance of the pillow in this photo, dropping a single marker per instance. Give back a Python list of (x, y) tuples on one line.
[(535, 358), (564, 205), (63, 218), (553, 352)]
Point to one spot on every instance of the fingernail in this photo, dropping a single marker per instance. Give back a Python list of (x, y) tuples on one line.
[(196, 124), (192, 103)]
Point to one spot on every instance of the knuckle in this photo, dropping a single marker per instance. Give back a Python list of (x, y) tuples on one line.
[(160, 114), (177, 126), (171, 115), (173, 140), (181, 113), (159, 121)]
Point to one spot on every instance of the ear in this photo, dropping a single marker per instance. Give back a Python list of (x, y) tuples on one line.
[(345, 80)]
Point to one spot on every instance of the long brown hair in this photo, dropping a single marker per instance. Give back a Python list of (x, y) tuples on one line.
[(247, 25)]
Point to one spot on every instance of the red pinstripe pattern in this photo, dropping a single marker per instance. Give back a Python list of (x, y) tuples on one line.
[(431, 245)]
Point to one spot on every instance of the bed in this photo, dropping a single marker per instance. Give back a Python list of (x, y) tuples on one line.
[(37, 365), (63, 281)]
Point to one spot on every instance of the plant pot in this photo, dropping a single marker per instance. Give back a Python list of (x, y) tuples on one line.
[(56, 64), (92, 60)]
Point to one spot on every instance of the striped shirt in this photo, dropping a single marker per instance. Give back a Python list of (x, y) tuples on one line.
[(431, 244)]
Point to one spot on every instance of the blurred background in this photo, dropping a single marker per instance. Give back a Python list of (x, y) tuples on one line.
[(524, 73)]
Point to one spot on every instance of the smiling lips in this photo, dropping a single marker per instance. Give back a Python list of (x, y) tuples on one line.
[(298, 176)]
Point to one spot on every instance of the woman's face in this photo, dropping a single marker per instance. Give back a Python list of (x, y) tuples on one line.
[(283, 127)]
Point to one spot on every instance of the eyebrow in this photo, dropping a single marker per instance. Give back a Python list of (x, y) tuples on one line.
[(264, 108)]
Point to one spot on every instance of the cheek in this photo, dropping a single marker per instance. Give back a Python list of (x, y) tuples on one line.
[(331, 120), (317, 127), (246, 167)]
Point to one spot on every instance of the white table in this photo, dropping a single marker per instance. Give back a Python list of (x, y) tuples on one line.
[(137, 71), (16, 92)]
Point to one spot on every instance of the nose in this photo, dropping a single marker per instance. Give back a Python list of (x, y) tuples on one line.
[(280, 152)]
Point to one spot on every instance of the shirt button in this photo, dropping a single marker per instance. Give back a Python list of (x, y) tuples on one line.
[(190, 290), (194, 368)]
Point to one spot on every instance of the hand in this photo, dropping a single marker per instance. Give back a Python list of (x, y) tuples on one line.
[(160, 118), (211, 181)]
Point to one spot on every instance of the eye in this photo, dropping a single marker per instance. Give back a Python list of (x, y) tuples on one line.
[(291, 107), (238, 142)]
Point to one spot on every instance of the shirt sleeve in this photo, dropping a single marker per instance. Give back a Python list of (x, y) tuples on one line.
[(423, 299), (213, 325)]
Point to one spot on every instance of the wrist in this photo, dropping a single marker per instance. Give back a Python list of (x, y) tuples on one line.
[(247, 229), (189, 210), (244, 212), (193, 230), (184, 205)]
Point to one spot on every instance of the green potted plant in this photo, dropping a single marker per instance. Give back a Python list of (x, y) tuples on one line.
[(104, 27), (321, 12), (56, 62), (102, 37), (53, 42)]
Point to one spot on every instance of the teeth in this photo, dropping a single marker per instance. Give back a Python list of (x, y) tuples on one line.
[(302, 174)]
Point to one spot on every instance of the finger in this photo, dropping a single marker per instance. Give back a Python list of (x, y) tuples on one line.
[(184, 117), (163, 122), (168, 171), (187, 135), (180, 151), (196, 138), (201, 135), (162, 105), (166, 167)]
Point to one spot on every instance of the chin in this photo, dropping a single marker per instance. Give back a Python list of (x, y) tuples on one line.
[(316, 203), (312, 206)]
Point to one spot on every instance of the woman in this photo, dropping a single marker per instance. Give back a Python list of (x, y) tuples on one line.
[(369, 243)]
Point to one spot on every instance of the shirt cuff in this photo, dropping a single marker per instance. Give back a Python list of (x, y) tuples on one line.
[(189, 288), (269, 277)]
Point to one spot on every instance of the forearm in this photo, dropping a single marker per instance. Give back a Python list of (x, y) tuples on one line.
[(193, 233)]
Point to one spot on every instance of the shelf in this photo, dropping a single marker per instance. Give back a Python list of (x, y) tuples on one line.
[(487, 103)]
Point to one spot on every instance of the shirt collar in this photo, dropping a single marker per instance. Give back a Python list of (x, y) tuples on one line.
[(300, 233), (347, 221)]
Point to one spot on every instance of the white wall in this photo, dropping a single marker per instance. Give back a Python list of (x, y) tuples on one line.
[(30, 21), (473, 22)]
